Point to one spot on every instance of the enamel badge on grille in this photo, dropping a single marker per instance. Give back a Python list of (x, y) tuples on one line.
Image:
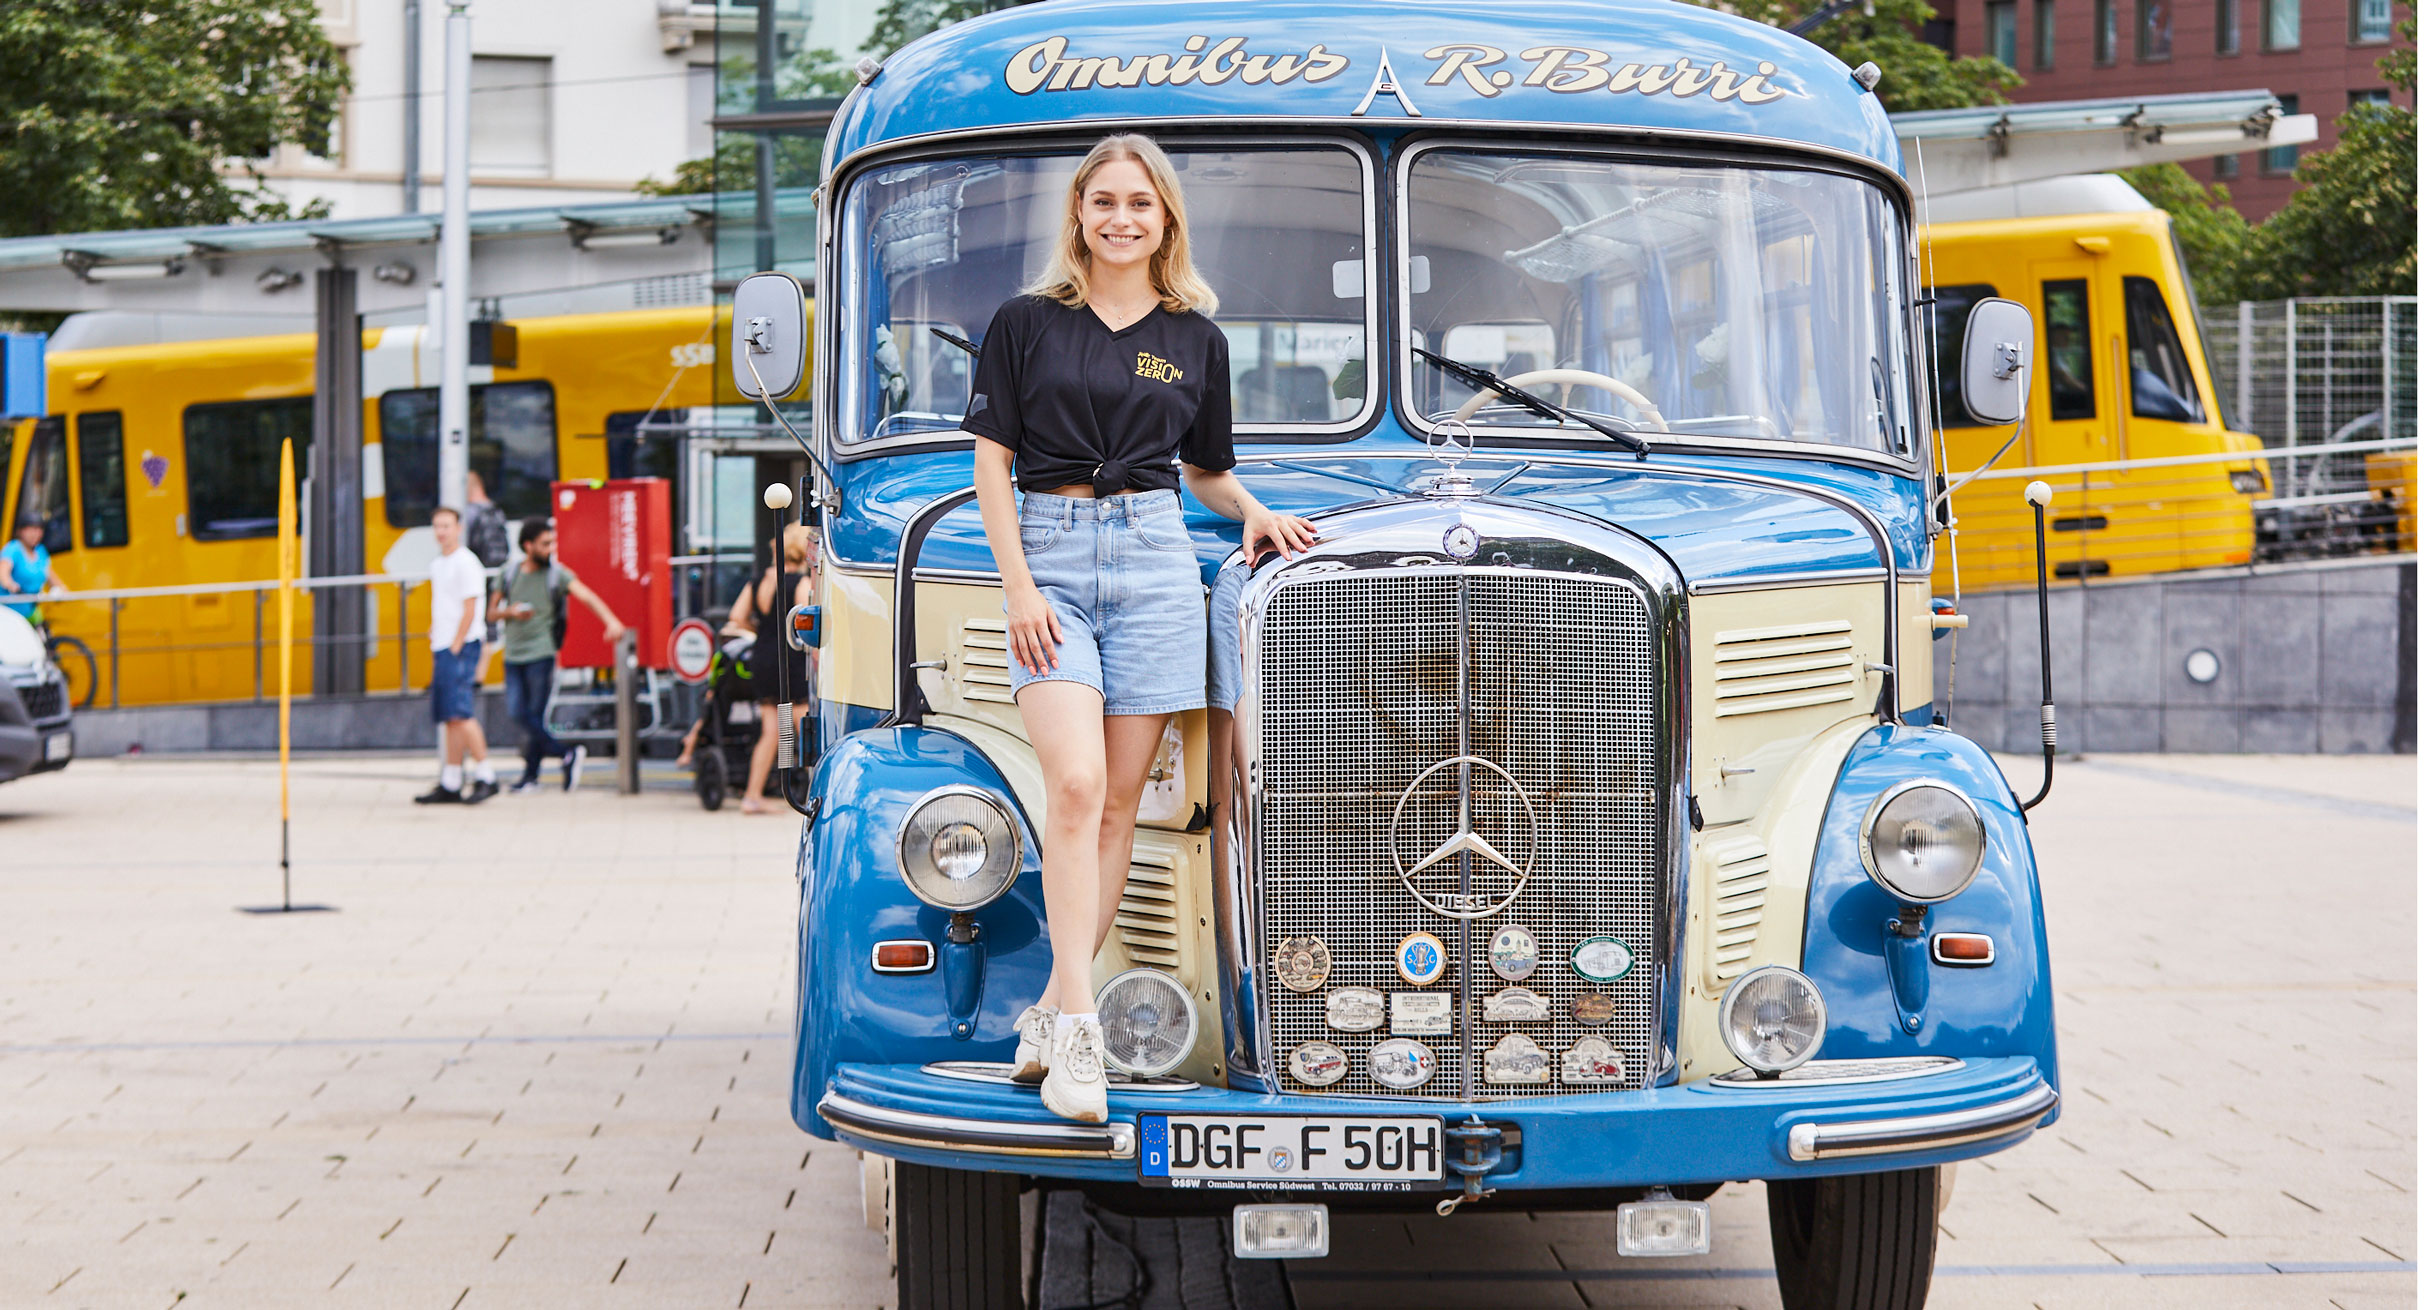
[(1516, 1059), (1593, 1060), (1302, 963), (1601, 959), (1318, 1064), (1513, 1005), (1355, 1009), (1401, 1063), (1420, 959), (1423, 1014), (1513, 953), (1590, 1009)]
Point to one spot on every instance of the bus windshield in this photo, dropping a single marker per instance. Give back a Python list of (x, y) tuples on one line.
[(1281, 233), (1726, 301)]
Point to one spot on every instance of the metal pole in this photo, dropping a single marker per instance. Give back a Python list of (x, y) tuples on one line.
[(2290, 373), (764, 146), (404, 673), (455, 256), (114, 652), (257, 647), (413, 169), (629, 764), (2248, 376), (2391, 421)]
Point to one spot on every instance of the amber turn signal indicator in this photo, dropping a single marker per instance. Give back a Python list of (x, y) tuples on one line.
[(915, 956), (1967, 949)]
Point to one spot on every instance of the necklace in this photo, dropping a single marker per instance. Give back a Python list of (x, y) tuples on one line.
[(1122, 316)]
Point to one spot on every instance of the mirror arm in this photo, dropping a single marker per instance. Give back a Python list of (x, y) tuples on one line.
[(2039, 494)]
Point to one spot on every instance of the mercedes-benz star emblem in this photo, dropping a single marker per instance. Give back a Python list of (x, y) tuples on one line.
[(1495, 877)]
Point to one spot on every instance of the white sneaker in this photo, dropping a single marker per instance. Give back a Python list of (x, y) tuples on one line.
[(1032, 1034), (1076, 1086)]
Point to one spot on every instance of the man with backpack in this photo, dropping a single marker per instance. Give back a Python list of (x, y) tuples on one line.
[(531, 606)]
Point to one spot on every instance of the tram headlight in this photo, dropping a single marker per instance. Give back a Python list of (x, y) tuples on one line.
[(1923, 842), (1148, 1022), (959, 848), (1774, 1019)]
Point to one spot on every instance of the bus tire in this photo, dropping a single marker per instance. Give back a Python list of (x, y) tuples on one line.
[(958, 1239), (1856, 1242)]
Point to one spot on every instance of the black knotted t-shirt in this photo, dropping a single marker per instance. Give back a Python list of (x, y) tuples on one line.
[(1080, 402)]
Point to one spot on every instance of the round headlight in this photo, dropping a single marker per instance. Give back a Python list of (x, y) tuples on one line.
[(959, 848), (1923, 842), (1774, 1019), (1148, 1021)]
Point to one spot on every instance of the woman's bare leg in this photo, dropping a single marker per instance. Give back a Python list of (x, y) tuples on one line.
[(764, 755), (1065, 723)]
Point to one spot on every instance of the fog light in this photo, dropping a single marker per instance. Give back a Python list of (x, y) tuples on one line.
[(1660, 1225), (1773, 1018), (1295, 1232), (1148, 1021)]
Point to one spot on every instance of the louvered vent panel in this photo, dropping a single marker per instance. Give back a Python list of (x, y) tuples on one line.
[(1736, 904), (1145, 920), (985, 675), (1783, 668)]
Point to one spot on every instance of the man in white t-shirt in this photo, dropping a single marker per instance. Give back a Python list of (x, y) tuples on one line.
[(457, 585)]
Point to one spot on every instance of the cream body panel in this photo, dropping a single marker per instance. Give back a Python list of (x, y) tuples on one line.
[(1917, 642), (1768, 671), (857, 619), (1786, 824)]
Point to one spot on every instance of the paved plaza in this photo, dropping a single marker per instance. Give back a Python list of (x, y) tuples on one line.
[(538, 1056)]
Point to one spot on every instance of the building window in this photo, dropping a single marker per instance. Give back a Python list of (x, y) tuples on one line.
[(2281, 24), (2003, 31), (2370, 21), (2154, 30), (232, 464), (2106, 44), (2070, 370), (2042, 40), (42, 490), (2161, 382), (2282, 159), (513, 444), (511, 116), (2381, 95), (2226, 27), (101, 475), (2226, 166)]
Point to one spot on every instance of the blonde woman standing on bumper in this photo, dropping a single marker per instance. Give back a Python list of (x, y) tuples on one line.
[(1089, 386)]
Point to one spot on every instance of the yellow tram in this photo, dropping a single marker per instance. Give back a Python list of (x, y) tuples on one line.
[(2121, 374), (158, 467)]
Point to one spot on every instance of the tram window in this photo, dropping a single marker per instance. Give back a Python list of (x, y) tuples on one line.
[(232, 464), (513, 444), (2070, 351), (1952, 306), (101, 472), (2161, 383), (640, 455), (42, 492)]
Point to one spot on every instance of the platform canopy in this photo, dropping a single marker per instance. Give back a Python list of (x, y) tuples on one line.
[(1946, 150)]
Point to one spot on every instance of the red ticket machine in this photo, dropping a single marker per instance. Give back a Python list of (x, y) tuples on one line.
[(614, 535)]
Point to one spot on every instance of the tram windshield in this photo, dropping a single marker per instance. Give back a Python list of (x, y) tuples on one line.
[(1281, 233), (1738, 302)]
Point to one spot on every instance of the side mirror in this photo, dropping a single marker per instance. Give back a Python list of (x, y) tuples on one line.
[(1996, 348), (768, 346)]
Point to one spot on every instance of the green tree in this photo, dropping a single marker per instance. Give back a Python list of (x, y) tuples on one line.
[(2213, 236), (1916, 74), (2352, 228), (131, 113)]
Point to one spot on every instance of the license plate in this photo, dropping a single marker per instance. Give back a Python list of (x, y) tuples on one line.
[(1267, 1152), (56, 747)]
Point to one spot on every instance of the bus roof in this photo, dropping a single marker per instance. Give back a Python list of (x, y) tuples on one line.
[(1655, 65)]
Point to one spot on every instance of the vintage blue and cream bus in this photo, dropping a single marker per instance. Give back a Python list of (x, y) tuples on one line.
[(1590, 335)]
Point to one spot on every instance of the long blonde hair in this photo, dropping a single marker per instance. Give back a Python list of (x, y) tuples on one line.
[(1066, 280)]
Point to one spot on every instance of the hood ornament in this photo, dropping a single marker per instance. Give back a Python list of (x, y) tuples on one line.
[(1451, 443)]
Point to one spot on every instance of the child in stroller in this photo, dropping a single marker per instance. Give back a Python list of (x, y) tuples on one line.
[(719, 747)]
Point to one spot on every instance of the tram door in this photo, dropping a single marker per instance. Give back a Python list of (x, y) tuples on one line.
[(2074, 422)]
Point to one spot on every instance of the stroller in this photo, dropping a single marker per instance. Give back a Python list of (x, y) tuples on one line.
[(730, 728)]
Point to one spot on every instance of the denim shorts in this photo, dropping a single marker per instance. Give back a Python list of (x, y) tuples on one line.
[(1124, 581), (1225, 637), (452, 679)]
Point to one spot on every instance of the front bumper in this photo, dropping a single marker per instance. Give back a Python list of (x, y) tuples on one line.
[(1701, 1132)]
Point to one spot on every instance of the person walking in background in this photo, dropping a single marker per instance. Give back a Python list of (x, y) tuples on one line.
[(457, 586), (485, 524), (25, 572), (762, 609), (531, 608)]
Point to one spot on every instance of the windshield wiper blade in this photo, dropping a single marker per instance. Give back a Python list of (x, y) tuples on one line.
[(951, 339), (1486, 381)]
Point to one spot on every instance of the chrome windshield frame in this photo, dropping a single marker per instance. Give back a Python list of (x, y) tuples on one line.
[(1673, 149), (831, 308)]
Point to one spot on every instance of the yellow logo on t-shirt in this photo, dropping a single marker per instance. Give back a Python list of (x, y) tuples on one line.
[(1148, 365)]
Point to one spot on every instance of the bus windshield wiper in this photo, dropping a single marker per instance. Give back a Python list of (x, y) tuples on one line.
[(1484, 380), (958, 342)]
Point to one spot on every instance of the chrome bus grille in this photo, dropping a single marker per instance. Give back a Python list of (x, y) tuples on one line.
[(1367, 679)]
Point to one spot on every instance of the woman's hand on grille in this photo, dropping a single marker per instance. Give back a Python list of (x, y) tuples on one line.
[(1284, 532), (1032, 633)]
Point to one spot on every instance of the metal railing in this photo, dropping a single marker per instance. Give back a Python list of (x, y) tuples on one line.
[(2316, 370)]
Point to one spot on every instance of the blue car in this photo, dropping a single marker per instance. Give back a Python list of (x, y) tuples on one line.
[(1586, 836)]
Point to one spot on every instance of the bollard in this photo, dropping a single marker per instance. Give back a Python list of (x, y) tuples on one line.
[(629, 761)]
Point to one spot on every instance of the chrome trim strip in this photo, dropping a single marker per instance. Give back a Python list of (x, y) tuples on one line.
[(1781, 581), (1926, 1132), (1837, 1073), (1000, 1073), (938, 1132)]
